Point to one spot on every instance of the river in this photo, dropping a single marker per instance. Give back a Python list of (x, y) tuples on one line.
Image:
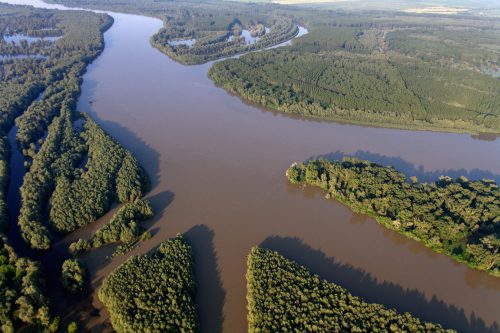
[(217, 167)]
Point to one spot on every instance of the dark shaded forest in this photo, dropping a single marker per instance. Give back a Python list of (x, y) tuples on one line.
[(22, 292)]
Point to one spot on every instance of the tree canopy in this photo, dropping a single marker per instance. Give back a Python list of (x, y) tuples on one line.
[(22, 299), (153, 292), (73, 276), (283, 296), (201, 31)]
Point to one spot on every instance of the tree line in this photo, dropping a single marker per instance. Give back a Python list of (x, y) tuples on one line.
[(209, 23), (213, 45), (73, 174)]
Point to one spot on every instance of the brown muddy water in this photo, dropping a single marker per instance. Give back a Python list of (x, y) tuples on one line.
[(217, 167)]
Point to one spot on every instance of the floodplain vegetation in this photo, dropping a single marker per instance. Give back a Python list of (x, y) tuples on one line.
[(198, 32), (457, 217), (379, 69), (74, 169), (283, 296), (385, 69), (153, 292)]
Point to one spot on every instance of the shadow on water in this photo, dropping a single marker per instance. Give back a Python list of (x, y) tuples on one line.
[(159, 201), (148, 157), (362, 284), (210, 294), (410, 169), (485, 136)]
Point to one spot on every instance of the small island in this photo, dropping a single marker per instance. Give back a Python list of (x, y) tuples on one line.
[(457, 217)]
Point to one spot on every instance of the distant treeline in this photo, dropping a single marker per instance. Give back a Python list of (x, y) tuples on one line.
[(212, 45), (381, 70), (215, 26), (74, 169), (458, 217), (378, 68)]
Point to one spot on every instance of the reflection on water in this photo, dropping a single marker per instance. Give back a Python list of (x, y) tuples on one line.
[(217, 167), (22, 56), (17, 38), (187, 42), (247, 36), (17, 171), (210, 297)]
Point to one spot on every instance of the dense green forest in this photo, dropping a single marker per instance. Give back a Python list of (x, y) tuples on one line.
[(385, 69), (75, 171), (283, 296), (379, 70), (458, 217), (214, 27), (22, 300), (73, 174), (27, 70), (153, 292), (76, 175)]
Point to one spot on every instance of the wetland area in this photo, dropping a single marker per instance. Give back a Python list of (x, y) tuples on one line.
[(213, 181)]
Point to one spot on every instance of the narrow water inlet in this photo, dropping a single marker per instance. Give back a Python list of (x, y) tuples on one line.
[(17, 172)]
